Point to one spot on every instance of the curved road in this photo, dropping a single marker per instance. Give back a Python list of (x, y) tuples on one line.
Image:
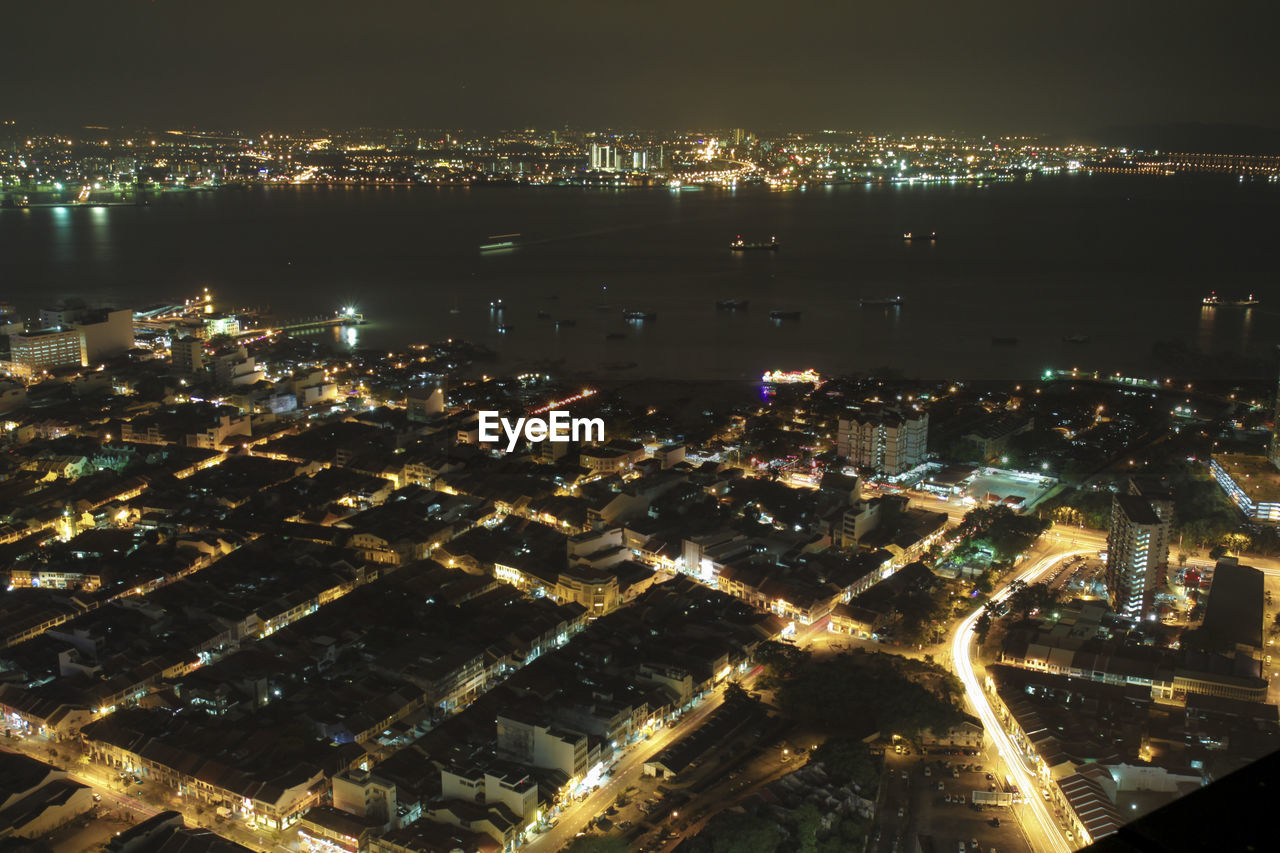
[(1050, 836)]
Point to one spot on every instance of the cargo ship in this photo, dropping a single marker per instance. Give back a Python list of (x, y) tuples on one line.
[(1213, 299), (784, 315), (734, 304), (920, 235), (880, 300), (740, 245), (497, 242), (639, 316)]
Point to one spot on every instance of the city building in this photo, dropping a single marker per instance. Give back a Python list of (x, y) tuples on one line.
[(604, 158), (234, 366), (886, 442), (365, 793), (422, 404), (49, 349), (187, 355), (107, 332), (1137, 555), (1251, 481)]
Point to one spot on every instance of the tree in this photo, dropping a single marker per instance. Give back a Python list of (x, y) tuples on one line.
[(743, 834), (982, 627), (808, 822), (598, 844), (847, 761)]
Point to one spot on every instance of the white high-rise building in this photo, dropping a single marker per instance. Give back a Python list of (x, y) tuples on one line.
[(1137, 551), (604, 158), (886, 442)]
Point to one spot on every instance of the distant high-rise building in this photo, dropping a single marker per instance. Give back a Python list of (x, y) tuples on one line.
[(886, 441), (187, 355), (604, 158), (1138, 549)]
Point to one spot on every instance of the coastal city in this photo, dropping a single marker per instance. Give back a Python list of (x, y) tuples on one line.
[(639, 428), (267, 591), (97, 165)]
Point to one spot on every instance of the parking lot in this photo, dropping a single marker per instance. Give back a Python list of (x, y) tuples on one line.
[(1003, 485), (933, 795), (1080, 577)]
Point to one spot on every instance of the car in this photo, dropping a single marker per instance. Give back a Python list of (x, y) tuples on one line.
[(97, 798), (901, 811), (990, 777), (939, 785), (928, 771), (995, 821), (955, 774)]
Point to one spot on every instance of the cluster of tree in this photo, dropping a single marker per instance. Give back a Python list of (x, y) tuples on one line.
[(853, 690), (1024, 600), (1002, 530), (848, 761), (1079, 507), (804, 830), (923, 612)]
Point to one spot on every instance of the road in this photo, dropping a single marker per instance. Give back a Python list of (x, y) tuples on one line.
[(623, 776), (1044, 832)]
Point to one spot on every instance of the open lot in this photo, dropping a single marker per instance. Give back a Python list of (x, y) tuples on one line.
[(1002, 485), (923, 795)]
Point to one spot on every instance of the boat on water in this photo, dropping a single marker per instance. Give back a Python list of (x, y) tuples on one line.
[(1075, 339), (1000, 340), (784, 315), (1213, 300), (890, 301), (740, 245), (495, 305), (733, 304), (504, 328), (639, 316), (497, 242), (920, 235)]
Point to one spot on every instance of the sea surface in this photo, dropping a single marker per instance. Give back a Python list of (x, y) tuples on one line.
[(1123, 261)]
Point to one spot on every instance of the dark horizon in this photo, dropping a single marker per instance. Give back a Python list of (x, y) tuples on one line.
[(931, 67)]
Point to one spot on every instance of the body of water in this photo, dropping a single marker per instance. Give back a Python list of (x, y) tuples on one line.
[(1121, 261)]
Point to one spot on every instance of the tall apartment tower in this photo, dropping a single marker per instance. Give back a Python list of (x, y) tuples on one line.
[(886, 442), (1138, 549)]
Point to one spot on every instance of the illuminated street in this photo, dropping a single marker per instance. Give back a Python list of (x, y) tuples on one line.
[(1045, 833)]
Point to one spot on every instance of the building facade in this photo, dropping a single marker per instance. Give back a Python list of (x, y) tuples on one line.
[(1137, 555), (887, 442)]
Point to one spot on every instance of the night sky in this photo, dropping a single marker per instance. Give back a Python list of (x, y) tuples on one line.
[(929, 65)]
